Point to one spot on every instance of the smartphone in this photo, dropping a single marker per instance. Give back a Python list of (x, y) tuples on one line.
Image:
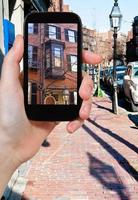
[(52, 66)]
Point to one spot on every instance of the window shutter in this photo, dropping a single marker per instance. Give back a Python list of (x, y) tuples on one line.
[(34, 50), (71, 97), (34, 99), (75, 36), (66, 35), (46, 30), (69, 62), (34, 88), (58, 33), (35, 53), (35, 28), (34, 93)]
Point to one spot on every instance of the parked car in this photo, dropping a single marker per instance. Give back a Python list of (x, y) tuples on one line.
[(105, 73), (120, 78), (120, 72), (101, 73), (130, 85), (110, 72), (121, 68)]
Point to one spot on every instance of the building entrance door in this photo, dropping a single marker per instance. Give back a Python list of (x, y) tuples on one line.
[(50, 100)]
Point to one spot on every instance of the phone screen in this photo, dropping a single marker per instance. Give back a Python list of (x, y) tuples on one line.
[(52, 63)]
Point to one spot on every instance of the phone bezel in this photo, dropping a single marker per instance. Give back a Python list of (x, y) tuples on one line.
[(52, 112)]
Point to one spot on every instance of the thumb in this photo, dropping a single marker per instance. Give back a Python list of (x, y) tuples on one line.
[(10, 68)]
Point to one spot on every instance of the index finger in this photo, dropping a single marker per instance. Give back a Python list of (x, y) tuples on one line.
[(91, 58)]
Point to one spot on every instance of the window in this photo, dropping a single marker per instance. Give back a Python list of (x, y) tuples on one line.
[(53, 32), (70, 35), (135, 71), (54, 60), (32, 56), (30, 28), (72, 62), (47, 58), (33, 28), (57, 57)]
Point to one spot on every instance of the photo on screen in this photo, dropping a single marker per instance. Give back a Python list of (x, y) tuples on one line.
[(52, 63)]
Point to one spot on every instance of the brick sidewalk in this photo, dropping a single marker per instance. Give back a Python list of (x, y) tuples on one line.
[(99, 162)]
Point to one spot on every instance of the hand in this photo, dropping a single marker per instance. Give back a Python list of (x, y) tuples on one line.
[(19, 136)]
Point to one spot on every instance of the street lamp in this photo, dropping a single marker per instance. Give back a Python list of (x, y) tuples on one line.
[(115, 23)]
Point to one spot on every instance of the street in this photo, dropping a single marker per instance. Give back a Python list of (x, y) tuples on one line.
[(98, 162)]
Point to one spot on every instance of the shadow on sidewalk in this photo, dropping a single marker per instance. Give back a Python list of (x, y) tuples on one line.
[(107, 176), (122, 161), (134, 119), (102, 107), (114, 135), (45, 144)]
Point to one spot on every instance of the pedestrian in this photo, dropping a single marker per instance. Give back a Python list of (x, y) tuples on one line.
[(20, 139)]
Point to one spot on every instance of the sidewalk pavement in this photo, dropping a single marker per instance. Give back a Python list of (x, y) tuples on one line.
[(98, 162)]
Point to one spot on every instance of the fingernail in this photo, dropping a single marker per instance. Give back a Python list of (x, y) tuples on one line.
[(72, 128)]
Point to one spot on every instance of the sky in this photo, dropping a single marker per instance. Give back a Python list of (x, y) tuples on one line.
[(95, 13)]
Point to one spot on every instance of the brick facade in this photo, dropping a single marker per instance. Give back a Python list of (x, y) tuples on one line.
[(57, 83), (58, 6)]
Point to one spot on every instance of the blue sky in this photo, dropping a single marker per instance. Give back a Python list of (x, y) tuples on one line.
[(95, 13)]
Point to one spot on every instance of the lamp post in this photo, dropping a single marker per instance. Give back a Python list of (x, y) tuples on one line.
[(115, 23)]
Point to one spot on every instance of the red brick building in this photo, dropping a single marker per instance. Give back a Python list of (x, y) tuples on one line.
[(58, 6), (52, 61)]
